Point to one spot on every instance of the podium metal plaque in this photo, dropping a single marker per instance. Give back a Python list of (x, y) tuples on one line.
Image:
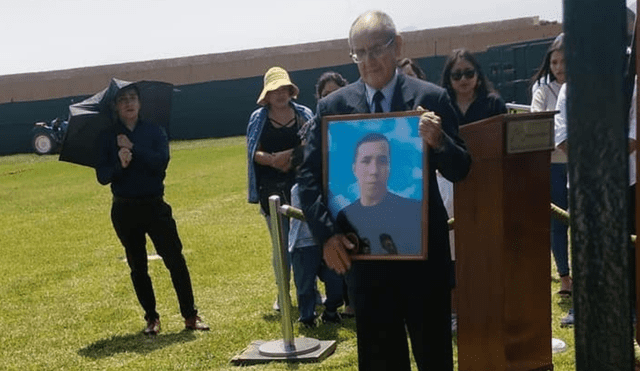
[(529, 135)]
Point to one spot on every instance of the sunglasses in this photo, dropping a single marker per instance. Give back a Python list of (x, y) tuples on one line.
[(457, 75)]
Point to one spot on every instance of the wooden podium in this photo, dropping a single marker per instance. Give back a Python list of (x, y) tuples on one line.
[(502, 236)]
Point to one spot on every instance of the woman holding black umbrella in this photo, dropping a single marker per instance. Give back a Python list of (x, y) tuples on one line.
[(133, 159)]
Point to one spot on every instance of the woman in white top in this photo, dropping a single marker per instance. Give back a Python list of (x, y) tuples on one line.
[(546, 86), (549, 78)]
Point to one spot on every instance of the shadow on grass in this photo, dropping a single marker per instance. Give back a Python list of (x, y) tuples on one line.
[(565, 304), (328, 331), (138, 343), (273, 316), (323, 331)]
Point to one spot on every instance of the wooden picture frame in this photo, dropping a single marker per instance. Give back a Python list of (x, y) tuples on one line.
[(355, 178)]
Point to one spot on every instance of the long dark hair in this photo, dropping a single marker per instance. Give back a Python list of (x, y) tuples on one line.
[(327, 77), (414, 66), (545, 68), (484, 86)]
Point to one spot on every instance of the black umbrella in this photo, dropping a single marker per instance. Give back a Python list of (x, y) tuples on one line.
[(89, 118)]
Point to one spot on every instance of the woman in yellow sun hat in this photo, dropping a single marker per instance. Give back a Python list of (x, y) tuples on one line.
[(273, 144)]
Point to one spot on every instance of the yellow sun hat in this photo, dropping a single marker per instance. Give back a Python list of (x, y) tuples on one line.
[(273, 79)]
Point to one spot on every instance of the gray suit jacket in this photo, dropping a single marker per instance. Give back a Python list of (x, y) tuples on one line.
[(453, 161)]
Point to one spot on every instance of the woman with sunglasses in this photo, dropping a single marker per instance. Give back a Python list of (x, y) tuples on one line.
[(469, 88), (546, 84), (474, 100)]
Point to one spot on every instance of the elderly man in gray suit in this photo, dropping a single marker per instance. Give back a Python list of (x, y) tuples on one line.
[(391, 297)]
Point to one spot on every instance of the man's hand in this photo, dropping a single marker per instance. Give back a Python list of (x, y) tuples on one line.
[(335, 253), (124, 142), (125, 156), (282, 160), (430, 128)]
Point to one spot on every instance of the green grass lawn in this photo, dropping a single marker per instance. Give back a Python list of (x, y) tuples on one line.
[(66, 298)]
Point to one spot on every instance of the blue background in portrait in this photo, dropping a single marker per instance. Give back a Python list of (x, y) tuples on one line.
[(405, 178)]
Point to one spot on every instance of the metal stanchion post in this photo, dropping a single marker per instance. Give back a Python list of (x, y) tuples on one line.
[(288, 346)]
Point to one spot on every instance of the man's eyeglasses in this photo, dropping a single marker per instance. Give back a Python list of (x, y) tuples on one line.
[(358, 56), (457, 75)]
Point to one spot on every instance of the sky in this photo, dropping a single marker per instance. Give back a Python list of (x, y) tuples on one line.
[(45, 35)]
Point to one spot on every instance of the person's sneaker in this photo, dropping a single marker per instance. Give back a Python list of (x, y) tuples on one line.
[(276, 305), (558, 346), (308, 323), (348, 312), (153, 327), (331, 317), (195, 323), (568, 319)]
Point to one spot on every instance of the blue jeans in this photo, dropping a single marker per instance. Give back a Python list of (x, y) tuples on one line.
[(559, 196), (307, 264)]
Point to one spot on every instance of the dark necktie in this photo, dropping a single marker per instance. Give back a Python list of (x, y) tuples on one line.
[(377, 98)]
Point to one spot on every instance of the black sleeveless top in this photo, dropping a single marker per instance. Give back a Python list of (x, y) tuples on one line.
[(276, 139)]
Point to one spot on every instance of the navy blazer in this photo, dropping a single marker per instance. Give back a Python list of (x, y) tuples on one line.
[(453, 161)]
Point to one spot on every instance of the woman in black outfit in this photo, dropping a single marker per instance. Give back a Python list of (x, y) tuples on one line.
[(474, 99), (470, 89)]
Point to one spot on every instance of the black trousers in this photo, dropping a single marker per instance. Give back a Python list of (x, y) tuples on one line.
[(396, 297), (132, 220)]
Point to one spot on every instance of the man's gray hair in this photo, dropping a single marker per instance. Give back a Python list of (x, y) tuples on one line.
[(377, 19)]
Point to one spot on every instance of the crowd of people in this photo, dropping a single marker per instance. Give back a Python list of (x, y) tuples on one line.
[(386, 308), (285, 147), (550, 93)]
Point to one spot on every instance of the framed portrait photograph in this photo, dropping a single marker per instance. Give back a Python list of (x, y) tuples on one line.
[(375, 175)]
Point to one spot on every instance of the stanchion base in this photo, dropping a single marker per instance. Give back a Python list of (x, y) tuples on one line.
[(260, 351), (277, 348)]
